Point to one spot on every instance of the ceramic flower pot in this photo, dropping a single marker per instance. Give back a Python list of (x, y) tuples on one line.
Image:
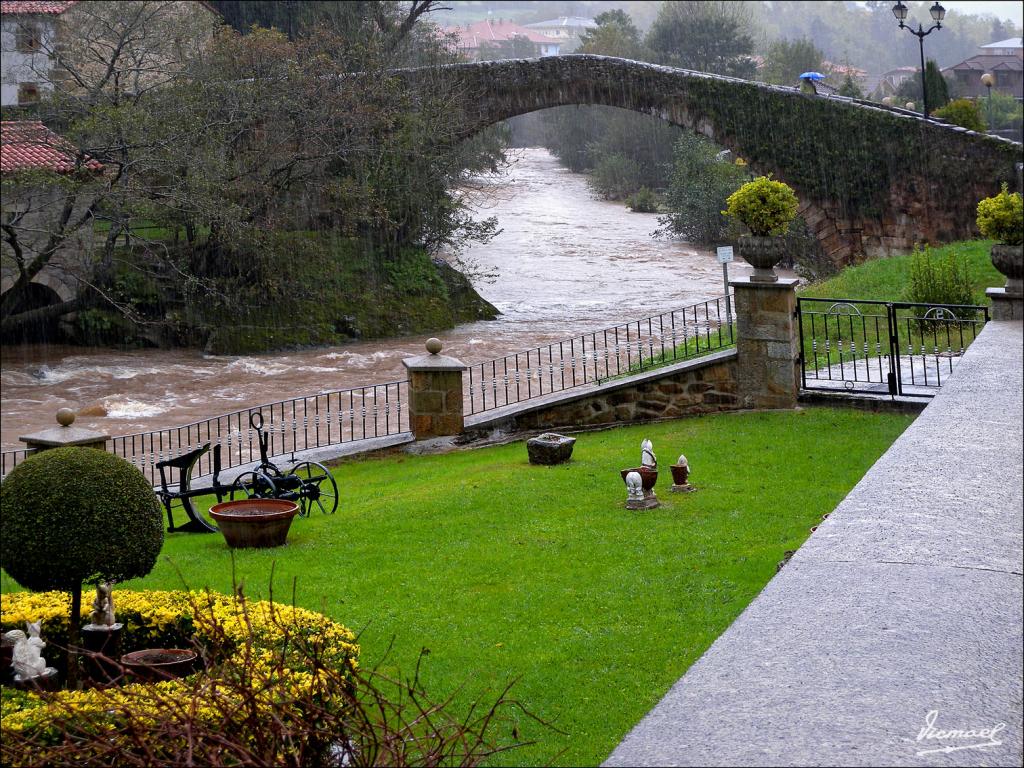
[(648, 476), (762, 253), (1009, 259), (254, 523), (680, 473), (156, 664)]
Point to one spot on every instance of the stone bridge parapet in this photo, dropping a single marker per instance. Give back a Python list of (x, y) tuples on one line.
[(872, 180)]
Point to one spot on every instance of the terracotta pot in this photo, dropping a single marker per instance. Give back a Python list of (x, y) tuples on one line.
[(680, 473), (1009, 259), (156, 664), (255, 523), (762, 253), (648, 476)]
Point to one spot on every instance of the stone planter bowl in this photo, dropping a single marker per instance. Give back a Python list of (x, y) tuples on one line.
[(648, 477), (254, 523), (762, 253), (155, 664), (1009, 259), (550, 448)]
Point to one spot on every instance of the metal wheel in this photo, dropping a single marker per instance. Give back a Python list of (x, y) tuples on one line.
[(318, 490), (253, 485)]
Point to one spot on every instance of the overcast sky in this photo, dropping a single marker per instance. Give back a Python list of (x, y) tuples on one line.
[(1014, 11)]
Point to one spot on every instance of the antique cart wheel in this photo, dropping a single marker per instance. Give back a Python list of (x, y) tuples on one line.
[(317, 490), (253, 485)]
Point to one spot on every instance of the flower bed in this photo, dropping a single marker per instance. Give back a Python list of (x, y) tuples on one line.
[(265, 662)]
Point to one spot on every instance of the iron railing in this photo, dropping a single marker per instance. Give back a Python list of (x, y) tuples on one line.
[(601, 355), (10, 459), (298, 424), (898, 348)]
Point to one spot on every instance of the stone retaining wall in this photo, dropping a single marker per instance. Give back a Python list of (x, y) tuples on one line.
[(704, 385)]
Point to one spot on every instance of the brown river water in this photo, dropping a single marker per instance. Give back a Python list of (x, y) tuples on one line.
[(567, 263)]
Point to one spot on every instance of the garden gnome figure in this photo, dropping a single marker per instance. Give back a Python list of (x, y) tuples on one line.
[(647, 457), (103, 606), (634, 491), (28, 661)]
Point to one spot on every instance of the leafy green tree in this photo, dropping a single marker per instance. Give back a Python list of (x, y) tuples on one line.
[(786, 60), (850, 88), (702, 180), (706, 35), (963, 112), (938, 90), (614, 35)]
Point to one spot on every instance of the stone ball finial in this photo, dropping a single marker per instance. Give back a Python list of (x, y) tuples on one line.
[(433, 346), (65, 417)]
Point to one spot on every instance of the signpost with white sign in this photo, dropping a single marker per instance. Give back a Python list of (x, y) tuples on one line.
[(724, 257)]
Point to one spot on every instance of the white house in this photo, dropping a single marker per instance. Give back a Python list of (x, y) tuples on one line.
[(29, 28)]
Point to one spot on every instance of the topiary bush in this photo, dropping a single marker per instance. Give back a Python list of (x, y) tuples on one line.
[(74, 516), (1001, 217), (764, 206)]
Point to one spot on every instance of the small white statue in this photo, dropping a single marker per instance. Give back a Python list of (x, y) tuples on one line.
[(634, 487), (103, 606), (682, 461), (27, 659), (647, 457)]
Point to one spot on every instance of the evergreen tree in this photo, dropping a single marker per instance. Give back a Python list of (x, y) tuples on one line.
[(708, 36)]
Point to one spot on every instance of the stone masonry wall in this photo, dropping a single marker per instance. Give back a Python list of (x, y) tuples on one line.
[(694, 390), (435, 403)]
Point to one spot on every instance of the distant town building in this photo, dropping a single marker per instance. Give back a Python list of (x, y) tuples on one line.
[(565, 28), (878, 87), (34, 31), (1003, 59), (469, 38)]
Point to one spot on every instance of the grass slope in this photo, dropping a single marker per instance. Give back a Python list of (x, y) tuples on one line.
[(507, 571), (887, 279)]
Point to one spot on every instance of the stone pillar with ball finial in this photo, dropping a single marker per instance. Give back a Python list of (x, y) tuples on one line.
[(435, 393), (64, 435)]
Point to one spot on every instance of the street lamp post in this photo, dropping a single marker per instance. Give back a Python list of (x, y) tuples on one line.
[(987, 80), (938, 14)]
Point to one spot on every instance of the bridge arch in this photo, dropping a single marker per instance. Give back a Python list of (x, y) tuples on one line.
[(871, 180)]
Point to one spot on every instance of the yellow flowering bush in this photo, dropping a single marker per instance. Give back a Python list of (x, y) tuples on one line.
[(257, 655), (1001, 217)]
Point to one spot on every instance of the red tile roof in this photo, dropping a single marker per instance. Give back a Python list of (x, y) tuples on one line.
[(470, 37), (28, 144), (53, 7)]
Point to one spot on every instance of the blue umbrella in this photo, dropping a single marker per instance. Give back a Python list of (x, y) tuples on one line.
[(812, 76)]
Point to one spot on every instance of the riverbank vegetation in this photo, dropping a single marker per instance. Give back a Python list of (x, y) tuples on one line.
[(592, 611), (257, 181)]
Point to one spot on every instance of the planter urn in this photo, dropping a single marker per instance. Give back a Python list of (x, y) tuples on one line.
[(1009, 259), (156, 664), (254, 523), (762, 253)]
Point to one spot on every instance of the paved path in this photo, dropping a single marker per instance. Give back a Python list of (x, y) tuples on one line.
[(906, 601)]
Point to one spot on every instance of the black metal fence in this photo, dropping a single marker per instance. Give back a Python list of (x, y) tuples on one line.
[(894, 348), (299, 424), (601, 355)]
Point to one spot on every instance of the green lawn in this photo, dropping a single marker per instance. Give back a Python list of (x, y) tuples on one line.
[(507, 571)]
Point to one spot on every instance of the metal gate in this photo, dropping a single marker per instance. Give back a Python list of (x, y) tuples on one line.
[(883, 347)]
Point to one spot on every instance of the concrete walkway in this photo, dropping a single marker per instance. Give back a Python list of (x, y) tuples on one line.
[(907, 601)]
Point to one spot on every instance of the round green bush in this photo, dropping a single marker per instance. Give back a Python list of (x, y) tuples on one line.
[(1002, 217), (764, 206), (70, 516)]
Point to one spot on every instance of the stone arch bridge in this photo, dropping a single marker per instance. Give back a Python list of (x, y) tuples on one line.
[(872, 180)]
